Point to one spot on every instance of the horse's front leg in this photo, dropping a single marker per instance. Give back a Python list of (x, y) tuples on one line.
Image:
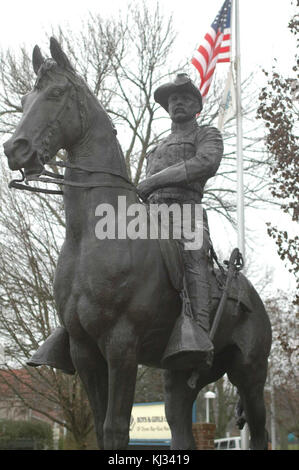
[(120, 352), (92, 369)]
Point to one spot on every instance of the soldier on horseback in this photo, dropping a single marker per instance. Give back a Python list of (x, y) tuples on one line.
[(177, 171), (118, 304)]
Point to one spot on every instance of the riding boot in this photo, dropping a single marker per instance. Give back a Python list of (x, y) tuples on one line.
[(189, 346), (200, 300)]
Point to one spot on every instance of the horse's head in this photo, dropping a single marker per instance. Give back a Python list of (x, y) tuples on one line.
[(53, 114)]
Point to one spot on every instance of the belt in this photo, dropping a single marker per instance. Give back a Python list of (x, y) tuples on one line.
[(175, 194)]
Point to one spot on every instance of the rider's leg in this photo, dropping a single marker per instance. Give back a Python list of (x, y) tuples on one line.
[(198, 288), (189, 343)]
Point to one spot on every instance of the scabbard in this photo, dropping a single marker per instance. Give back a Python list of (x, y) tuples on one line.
[(232, 268), (235, 264)]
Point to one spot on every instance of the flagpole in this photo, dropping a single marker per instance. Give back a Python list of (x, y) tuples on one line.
[(240, 182)]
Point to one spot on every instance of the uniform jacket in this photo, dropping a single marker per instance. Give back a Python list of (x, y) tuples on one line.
[(197, 148)]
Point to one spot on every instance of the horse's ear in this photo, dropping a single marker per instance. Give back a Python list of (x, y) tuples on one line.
[(58, 55), (37, 59)]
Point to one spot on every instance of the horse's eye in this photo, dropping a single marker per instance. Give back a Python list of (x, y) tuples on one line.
[(56, 92)]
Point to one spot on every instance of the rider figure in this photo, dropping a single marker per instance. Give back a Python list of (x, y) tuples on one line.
[(177, 171)]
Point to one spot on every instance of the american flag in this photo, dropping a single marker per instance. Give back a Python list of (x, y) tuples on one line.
[(215, 48)]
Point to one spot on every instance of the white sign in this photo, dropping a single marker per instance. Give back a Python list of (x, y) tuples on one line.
[(148, 422)]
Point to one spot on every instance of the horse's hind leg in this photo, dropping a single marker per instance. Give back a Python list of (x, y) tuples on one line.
[(250, 380), (255, 413), (92, 370), (179, 399)]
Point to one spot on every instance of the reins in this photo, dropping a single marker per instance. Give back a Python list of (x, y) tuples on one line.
[(17, 184), (56, 178)]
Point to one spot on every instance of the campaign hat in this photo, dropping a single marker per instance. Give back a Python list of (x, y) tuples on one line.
[(182, 83)]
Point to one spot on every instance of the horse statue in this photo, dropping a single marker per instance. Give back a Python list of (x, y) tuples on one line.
[(116, 299)]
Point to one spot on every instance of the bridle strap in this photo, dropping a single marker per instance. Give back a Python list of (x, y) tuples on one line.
[(59, 180), (17, 184), (105, 170), (77, 184)]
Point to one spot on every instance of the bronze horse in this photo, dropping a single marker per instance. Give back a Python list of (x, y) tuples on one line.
[(114, 297)]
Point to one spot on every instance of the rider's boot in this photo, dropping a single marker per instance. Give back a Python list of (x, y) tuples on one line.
[(189, 346), (200, 300)]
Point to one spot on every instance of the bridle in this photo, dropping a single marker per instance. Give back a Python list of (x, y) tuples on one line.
[(56, 178)]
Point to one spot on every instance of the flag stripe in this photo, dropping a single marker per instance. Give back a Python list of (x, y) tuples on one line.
[(224, 49), (215, 48), (205, 53), (225, 43)]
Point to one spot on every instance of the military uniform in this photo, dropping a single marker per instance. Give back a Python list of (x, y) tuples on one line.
[(199, 149), (186, 159)]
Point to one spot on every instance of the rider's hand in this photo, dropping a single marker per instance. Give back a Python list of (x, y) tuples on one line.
[(144, 188)]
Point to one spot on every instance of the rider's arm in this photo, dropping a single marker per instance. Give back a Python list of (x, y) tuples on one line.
[(208, 156), (205, 163), (170, 176)]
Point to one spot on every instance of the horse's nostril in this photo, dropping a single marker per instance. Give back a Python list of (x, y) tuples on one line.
[(18, 151), (22, 145)]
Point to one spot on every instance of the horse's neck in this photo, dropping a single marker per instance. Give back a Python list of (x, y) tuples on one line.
[(98, 147)]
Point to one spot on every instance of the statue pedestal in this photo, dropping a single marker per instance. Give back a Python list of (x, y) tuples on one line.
[(204, 435)]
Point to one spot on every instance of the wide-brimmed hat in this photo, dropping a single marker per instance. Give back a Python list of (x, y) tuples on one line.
[(182, 83)]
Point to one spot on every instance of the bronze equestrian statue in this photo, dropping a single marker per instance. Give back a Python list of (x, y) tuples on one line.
[(119, 300)]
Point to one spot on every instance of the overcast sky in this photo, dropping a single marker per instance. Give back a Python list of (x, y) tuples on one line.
[(264, 36), (263, 23)]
